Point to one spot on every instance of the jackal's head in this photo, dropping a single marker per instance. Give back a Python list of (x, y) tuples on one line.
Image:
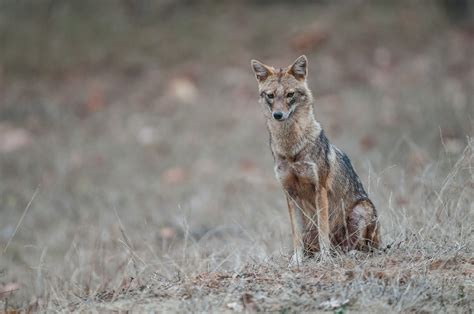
[(283, 90)]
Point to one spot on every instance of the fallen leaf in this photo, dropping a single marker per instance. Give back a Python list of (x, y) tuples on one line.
[(167, 232), (310, 39), (7, 289), (183, 89), (247, 166), (95, 99), (12, 139), (174, 175), (367, 143), (401, 201)]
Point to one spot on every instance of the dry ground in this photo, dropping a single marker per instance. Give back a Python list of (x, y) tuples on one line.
[(134, 155)]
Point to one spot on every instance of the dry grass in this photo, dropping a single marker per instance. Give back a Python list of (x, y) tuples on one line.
[(154, 182)]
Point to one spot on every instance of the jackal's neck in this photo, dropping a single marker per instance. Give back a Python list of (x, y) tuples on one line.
[(289, 137)]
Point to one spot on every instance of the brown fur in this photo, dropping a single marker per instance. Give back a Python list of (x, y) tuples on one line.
[(327, 203)]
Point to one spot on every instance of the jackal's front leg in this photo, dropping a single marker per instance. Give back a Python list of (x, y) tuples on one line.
[(323, 221), (296, 219)]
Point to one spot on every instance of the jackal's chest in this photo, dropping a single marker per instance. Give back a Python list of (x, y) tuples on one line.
[(296, 176)]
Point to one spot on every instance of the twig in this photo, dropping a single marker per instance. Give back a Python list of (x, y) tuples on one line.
[(12, 290), (21, 219)]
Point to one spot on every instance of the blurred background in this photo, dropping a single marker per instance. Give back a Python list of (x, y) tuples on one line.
[(141, 118)]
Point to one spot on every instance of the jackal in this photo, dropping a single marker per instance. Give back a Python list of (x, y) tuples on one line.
[(326, 200)]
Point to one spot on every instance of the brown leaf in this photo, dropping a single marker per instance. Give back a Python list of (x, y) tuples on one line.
[(247, 166), (167, 233), (95, 99), (367, 143), (174, 175), (401, 201), (310, 39), (7, 289)]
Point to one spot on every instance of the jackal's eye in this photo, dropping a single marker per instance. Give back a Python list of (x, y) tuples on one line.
[(270, 95), (291, 94)]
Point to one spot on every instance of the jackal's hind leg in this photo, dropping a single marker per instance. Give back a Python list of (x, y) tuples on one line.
[(372, 239), (362, 231)]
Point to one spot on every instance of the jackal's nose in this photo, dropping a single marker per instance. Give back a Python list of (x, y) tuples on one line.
[(278, 115)]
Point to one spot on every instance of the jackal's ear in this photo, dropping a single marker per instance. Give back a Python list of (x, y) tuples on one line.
[(299, 68), (261, 70)]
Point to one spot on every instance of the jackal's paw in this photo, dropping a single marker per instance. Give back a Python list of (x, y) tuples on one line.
[(297, 259)]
